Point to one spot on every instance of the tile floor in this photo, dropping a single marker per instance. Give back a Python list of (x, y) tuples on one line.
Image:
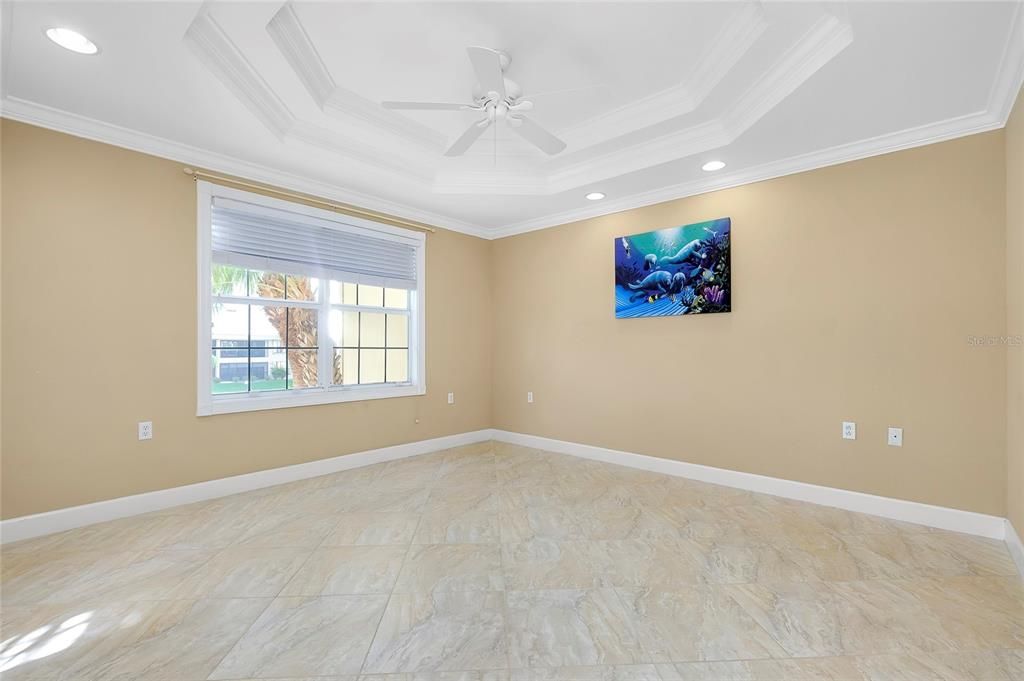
[(498, 563)]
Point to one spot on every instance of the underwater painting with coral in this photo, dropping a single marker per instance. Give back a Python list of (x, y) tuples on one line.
[(674, 271)]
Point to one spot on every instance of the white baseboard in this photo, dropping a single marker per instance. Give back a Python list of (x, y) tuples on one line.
[(994, 527), (1015, 546), (941, 517), (40, 524)]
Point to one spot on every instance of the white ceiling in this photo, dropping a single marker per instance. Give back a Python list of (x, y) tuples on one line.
[(288, 93)]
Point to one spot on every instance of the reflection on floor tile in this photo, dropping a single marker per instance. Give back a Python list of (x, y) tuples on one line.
[(494, 562)]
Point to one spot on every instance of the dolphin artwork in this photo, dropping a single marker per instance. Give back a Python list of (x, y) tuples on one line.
[(684, 270)]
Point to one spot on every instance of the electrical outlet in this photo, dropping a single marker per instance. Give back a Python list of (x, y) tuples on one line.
[(849, 430), (895, 437), (145, 430), (529, 397), (451, 398)]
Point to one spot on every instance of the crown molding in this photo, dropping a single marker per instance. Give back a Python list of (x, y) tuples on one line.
[(738, 34), (6, 17), (212, 46), (816, 47), (43, 116), (905, 139), (292, 39), (1010, 77), (218, 53)]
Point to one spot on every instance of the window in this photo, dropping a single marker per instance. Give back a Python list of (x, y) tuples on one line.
[(303, 306)]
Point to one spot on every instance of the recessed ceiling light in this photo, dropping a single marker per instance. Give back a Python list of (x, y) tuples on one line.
[(712, 166), (72, 40), (595, 196)]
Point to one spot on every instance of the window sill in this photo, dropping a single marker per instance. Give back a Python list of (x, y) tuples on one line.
[(233, 404)]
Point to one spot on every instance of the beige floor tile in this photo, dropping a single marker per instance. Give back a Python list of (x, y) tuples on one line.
[(973, 612), (385, 496), (637, 672), (609, 574), (241, 572), (451, 567), (880, 617), (550, 564), (88, 577), (138, 533), (661, 562), (166, 641), (464, 498), (485, 675), (455, 527), (440, 631), (342, 570), (541, 522), (801, 617), (696, 623), (290, 529), (305, 636), (963, 666), (570, 627), (215, 526), (373, 529), (42, 641)]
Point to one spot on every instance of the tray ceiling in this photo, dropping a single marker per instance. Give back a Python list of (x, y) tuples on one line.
[(643, 93)]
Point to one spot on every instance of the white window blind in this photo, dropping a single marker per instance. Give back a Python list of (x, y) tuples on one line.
[(263, 238)]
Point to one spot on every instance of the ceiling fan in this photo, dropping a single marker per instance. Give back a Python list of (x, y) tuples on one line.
[(495, 96)]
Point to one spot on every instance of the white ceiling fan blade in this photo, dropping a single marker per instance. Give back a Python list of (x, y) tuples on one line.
[(487, 66), (538, 136), (465, 141), (425, 106)]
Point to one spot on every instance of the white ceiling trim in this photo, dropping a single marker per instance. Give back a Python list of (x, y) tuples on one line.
[(733, 41), (6, 9), (222, 58), (821, 43), (884, 144), (291, 38), (1010, 78), (1001, 98), (80, 126), (219, 54)]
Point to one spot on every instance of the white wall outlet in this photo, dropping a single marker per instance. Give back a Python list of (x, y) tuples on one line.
[(145, 430), (451, 398), (849, 430), (895, 437), (529, 397)]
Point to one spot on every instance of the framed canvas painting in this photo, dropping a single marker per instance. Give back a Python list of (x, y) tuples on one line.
[(674, 271)]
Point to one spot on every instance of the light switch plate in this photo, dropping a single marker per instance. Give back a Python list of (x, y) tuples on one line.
[(895, 437)]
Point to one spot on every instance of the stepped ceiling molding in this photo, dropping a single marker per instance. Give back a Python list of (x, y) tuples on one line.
[(642, 93)]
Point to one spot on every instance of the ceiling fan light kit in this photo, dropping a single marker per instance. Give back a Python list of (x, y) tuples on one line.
[(498, 98)]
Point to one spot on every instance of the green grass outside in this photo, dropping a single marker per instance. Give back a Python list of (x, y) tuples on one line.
[(240, 387)]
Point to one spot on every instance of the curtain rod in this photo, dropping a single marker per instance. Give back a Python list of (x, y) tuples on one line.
[(333, 205)]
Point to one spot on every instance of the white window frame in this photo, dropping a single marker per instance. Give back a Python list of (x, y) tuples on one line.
[(229, 403)]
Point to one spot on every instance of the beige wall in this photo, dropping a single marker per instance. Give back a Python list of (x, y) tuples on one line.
[(855, 290), (98, 277), (1015, 314)]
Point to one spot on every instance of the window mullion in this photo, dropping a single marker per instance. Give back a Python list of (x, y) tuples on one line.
[(325, 375)]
